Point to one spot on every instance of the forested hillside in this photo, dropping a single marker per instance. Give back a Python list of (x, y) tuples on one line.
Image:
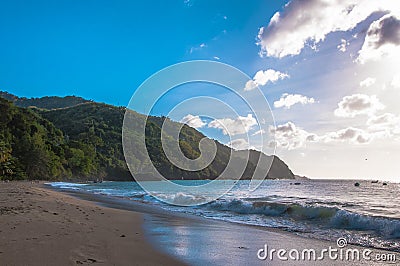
[(52, 102), (72, 138)]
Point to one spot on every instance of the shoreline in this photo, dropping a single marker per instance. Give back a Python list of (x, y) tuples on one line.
[(41, 226), (46, 224), (193, 238)]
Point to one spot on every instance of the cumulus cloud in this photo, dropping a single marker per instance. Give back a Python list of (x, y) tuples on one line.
[(289, 136), (193, 121), (343, 45), (386, 122), (351, 134), (240, 125), (358, 104), (305, 22), (239, 144), (261, 78), (250, 85), (288, 100), (382, 39), (367, 82)]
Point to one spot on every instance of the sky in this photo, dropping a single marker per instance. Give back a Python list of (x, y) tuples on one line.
[(328, 69)]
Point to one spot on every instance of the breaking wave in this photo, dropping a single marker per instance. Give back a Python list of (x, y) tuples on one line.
[(325, 216)]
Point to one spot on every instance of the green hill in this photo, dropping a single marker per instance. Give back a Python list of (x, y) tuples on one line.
[(82, 140), (52, 102), (31, 147)]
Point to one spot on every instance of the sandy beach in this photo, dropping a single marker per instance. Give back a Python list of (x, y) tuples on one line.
[(43, 226), (39, 226)]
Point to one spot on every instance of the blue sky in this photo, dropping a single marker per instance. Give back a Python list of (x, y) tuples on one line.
[(327, 69), (103, 50)]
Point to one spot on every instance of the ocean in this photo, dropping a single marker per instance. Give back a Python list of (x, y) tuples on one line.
[(367, 215)]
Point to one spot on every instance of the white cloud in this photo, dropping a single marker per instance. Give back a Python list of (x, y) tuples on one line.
[(240, 125), (358, 104), (396, 81), (386, 122), (288, 100), (367, 82), (261, 78), (239, 144), (188, 3), (250, 85), (305, 22), (354, 135), (193, 121), (259, 132), (197, 48), (343, 45), (382, 39), (289, 136)]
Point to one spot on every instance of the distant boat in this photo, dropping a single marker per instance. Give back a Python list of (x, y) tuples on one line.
[(384, 183), (374, 182), (356, 184)]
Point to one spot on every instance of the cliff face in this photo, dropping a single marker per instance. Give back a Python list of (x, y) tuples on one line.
[(88, 142)]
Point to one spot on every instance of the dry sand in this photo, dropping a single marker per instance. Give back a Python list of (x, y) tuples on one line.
[(39, 226)]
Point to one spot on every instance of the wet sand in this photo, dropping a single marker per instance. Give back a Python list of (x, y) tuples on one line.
[(200, 241)]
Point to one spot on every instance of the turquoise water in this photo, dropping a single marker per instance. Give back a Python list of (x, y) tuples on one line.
[(368, 215)]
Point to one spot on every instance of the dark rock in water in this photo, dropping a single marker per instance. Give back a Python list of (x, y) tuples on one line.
[(357, 184), (384, 183), (297, 183)]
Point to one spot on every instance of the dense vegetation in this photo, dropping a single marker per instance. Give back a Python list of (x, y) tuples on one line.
[(44, 102), (71, 138), (31, 147)]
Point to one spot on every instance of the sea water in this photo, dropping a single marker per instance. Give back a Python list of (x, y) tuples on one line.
[(367, 215)]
